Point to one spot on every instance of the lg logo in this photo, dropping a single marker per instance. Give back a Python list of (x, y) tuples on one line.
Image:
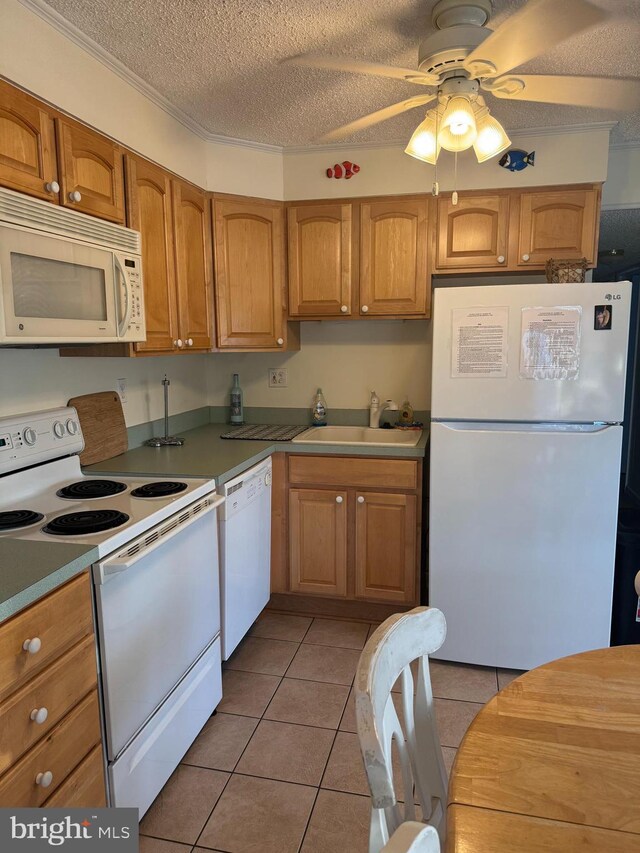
[(611, 296)]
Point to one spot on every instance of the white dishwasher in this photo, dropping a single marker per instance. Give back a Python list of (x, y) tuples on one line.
[(245, 552)]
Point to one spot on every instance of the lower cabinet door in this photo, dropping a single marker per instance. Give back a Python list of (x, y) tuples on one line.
[(318, 541), (386, 546)]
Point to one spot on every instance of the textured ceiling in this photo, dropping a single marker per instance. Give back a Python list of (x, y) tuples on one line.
[(619, 229), (218, 61)]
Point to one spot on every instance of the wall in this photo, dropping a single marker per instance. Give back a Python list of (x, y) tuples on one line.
[(39, 379), (569, 157), (346, 359), (622, 189)]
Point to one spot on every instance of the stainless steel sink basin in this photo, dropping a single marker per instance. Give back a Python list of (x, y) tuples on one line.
[(359, 435)]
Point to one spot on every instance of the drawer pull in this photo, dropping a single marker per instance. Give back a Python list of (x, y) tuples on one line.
[(44, 779), (39, 715), (32, 646)]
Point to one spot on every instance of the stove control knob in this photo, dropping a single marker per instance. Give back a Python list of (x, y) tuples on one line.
[(58, 429), (29, 436), (72, 427)]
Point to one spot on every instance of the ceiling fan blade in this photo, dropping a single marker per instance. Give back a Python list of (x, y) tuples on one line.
[(535, 29), (360, 66), (622, 93), (375, 118)]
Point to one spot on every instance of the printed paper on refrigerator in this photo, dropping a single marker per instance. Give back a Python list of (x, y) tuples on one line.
[(479, 342), (550, 342)]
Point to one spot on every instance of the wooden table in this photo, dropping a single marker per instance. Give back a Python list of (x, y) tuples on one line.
[(552, 763)]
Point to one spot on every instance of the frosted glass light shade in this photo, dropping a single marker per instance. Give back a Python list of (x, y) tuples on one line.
[(458, 130), (491, 138), (424, 144)]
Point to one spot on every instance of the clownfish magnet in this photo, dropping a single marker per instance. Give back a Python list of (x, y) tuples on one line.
[(346, 169)]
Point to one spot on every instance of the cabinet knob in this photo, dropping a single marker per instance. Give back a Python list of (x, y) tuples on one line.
[(525, 257), (179, 343), (32, 646), (39, 715), (75, 196), (44, 779), (360, 499), (344, 308), (339, 499), (280, 341), (52, 187), (364, 309), (500, 259), (189, 342)]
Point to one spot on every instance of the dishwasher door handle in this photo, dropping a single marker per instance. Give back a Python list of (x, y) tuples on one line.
[(155, 538)]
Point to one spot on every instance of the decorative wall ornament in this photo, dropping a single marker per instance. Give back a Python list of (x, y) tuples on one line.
[(346, 169)]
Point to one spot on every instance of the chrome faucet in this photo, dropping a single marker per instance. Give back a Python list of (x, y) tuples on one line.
[(376, 408)]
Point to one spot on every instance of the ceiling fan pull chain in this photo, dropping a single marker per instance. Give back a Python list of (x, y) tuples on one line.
[(435, 189), (454, 195)]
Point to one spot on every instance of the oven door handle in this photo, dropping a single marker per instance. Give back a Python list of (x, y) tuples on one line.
[(123, 325), (117, 564)]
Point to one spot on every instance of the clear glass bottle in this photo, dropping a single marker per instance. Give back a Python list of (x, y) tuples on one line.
[(236, 407), (319, 410)]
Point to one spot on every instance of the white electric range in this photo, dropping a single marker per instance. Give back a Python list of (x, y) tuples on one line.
[(156, 590)]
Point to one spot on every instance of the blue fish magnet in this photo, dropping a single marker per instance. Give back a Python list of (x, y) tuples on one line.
[(516, 160)]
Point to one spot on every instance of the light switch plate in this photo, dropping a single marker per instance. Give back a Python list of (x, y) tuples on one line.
[(278, 377)]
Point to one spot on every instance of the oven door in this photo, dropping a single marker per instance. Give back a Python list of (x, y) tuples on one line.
[(158, 608), (57, 290)]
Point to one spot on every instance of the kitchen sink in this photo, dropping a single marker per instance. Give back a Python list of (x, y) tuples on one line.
[(359, 435)]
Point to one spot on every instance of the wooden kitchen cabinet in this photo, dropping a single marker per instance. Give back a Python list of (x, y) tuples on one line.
[(386, 546), (91, 171), (192, 230), (149, 211), (250, 283), (394, 276), (321, 259), (27, 144), (558, 224), (353, 535), (472, 233), (318, 541), (49, 713)]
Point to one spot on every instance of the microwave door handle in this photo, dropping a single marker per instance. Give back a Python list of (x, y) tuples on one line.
[(126, 319)]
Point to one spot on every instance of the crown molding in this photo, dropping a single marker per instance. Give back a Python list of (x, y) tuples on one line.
[(627, 145)]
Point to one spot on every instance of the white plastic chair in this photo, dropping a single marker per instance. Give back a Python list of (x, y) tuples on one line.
[(413, 837), (388, 654)]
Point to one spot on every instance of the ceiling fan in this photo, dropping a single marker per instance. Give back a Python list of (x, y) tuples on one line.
[(464, 57)]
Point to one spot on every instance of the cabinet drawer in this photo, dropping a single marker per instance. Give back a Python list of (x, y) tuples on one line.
[(59, 752), (353, 472), (57, 621), (85, 787), (58, 688)]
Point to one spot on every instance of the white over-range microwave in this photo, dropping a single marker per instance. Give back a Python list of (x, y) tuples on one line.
[(65, 277)]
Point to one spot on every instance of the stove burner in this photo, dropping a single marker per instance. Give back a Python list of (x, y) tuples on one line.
[(158, 490), (82, 523), (16, 518), (87, 490)]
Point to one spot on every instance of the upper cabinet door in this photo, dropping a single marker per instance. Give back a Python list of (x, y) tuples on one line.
[(560, 224), (91, 172), (320, 260), (393, 257), (192, 227), (250, 273), (473, 232), (149, 211), (27, 145)]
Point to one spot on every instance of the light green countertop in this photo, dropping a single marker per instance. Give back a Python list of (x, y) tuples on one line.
[(205, 454), (29, 570)]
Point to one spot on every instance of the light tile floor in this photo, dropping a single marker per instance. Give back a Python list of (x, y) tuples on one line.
[(278, 768)]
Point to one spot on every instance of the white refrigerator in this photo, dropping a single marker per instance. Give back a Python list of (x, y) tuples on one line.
[(527, 404)]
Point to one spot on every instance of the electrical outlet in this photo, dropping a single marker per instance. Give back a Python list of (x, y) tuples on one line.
[(277, 377), (121, 388)]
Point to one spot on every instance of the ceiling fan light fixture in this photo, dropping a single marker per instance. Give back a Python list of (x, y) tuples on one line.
[(492, 137), (425, 142), (459, 129)]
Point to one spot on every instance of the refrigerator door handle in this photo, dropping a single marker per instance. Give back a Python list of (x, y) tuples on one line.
[(502, 426)]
